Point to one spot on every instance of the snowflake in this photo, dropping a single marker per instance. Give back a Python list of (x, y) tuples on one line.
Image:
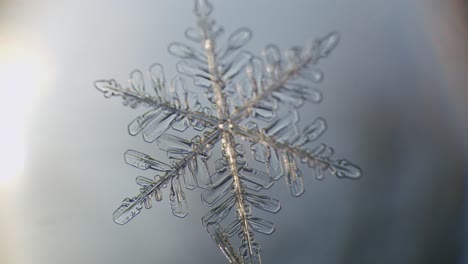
[(254, 101)]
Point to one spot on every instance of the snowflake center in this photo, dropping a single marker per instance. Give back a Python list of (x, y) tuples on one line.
[(226, 125)]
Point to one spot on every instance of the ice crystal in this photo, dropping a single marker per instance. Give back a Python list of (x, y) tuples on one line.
[(254, 102)]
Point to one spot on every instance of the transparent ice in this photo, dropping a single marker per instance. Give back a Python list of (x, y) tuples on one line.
[(254, 102)]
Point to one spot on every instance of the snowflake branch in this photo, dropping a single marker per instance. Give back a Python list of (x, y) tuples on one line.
[(228, 141), (290, 74), (340, 168), (131, 207), (112, 88), (297, 60), (254, 136)]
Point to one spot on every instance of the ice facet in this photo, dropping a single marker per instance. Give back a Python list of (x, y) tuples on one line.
[(313, 95), (157, 78), (157, 195), (217, 214), (282, 126), (128, 210), (293, 56), (328, 43), (293, 176), (203, 8), (265, 110), (258, 177), (344, 168), (190, 180), (109, 88), (137, 82), (290, 97), (312, 131), (178, 199), (219, 176), (251, 185), (234, 228), (251, 254), (237, 40), (221, 239), (261, 225), (199, 168), (264, 202), (236, 66), (272, 57), (261, 152), (148, 202), (181, 124), (254, 71), (143, 181), (181, 50), (144, 161), (141, 122), (193, 34), (160, 124), (174, 144), (217, 191), (274, 167), (192, 69), (318, 171)]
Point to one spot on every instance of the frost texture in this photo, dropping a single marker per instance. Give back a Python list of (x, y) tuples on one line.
[(254, 102)]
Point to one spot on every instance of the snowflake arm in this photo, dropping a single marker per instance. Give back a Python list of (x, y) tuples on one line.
[(215, 75), (276, 83), (318, 157), (152, 188), (177, 101)]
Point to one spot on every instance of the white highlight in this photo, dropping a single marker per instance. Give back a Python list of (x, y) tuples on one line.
[(23, 71)]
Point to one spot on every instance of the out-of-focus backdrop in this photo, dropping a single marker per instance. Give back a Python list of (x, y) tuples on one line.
[(395, 101)]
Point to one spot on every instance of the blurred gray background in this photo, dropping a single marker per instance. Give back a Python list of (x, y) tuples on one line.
[(395, 102)]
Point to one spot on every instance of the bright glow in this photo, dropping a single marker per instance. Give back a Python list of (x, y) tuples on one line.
[(22, 74)]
